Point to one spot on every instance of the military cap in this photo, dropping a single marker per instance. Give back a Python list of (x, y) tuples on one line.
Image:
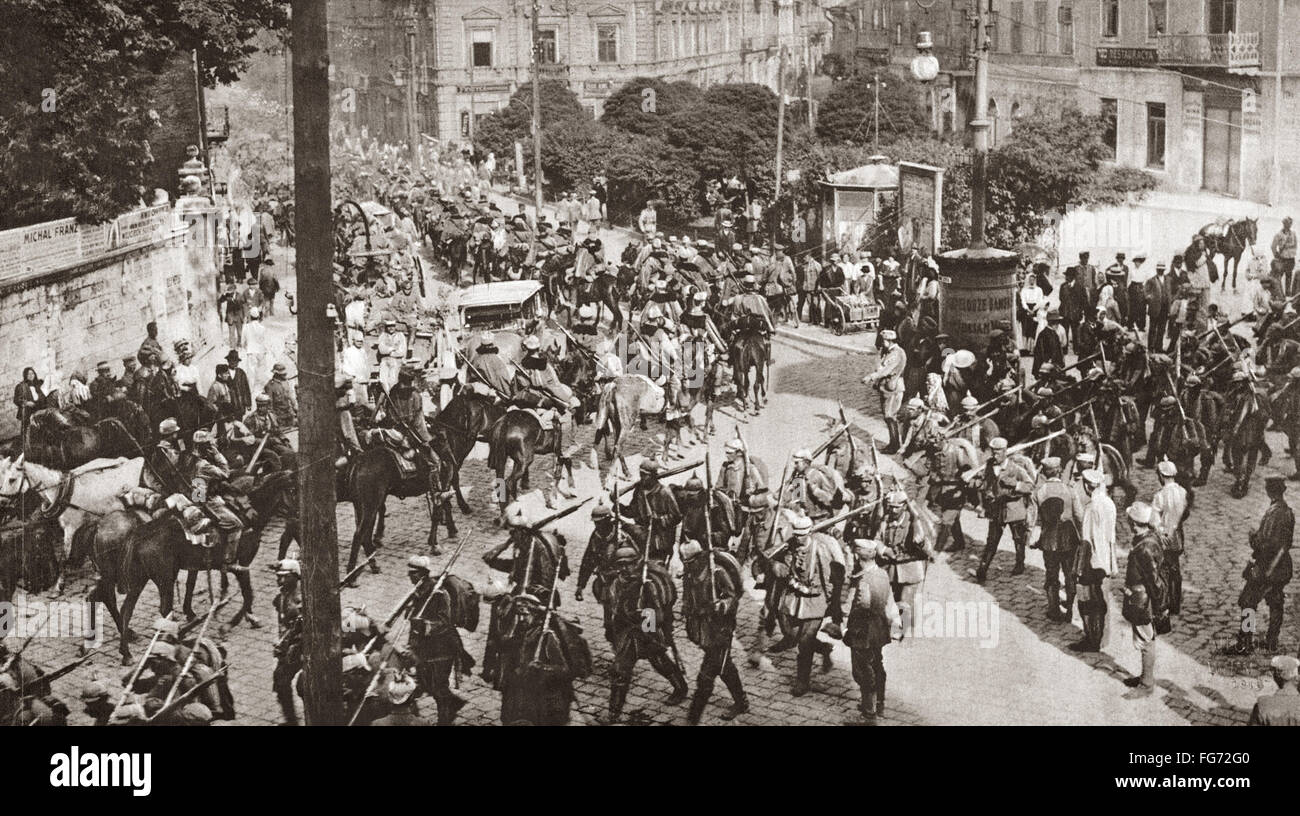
[(895, 497), (263, 399), (419, 562), (1166, 468), (1286, 666), (998, 443), (168, 427), (888, 334), (801, 525), (96, 689), (867, 548), (1093, 476), (1277, 483), (1085, 458), (1168, 401), (532, 343), (279, 368), (690, 549), (1052, 464), (1140, 513), (288, 566)]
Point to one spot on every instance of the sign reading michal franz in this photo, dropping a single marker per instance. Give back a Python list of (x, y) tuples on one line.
[(920, 206), (26, 252)]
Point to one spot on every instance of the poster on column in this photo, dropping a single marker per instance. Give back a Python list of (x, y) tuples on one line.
[(920, 206)]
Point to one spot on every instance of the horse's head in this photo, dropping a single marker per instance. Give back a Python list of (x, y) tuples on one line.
[(12, 477)]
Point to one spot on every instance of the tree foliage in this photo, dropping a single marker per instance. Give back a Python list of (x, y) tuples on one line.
[(848, 113), (75, 103), (498, 131), (630, 109)]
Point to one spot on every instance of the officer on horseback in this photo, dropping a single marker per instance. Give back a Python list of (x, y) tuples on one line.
[(210, 485)]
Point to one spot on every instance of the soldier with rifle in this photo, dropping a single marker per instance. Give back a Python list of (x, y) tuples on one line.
[(654, 507), (1268, 571), (609, 533), (537, 559), (707, 514), (872, 622), (1006, 484), (288, 649), (440, 605), (811, 565), (640, 625), (711, 590), (905, 553)]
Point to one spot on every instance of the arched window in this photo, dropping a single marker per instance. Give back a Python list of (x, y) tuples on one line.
[(993, 126)]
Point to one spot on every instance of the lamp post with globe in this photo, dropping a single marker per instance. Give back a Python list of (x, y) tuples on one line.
[(977, 284), (925, 68)]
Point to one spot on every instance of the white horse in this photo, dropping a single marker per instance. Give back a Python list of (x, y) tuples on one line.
[(84, 494)]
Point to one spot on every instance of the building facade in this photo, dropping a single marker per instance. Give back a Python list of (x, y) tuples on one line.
[(1201, 93), (471, 55)]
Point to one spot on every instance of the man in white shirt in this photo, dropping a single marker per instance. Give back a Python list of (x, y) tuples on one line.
[(1096, 561), (1171, 505)]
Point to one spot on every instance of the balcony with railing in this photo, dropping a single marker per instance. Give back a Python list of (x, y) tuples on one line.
[(1234, 51)]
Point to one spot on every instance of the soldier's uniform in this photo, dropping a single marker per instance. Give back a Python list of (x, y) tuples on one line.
[(654, 507), (1282, 707), (1006, 485), (211, 473), (711, 590), (1060, 512), (434, 640), (721, 520), (288, 649), (640, 625), (813, 489), (607, 537), (812, 568), (737, 480), (1143, 575), (488, 374), (1269, 570), (872, 619), (537, 385), (888, 380), (905, 553)]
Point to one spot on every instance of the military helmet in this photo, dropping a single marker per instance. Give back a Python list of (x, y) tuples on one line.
[(801, 525), (355, 661), (624, 555), (602, 511), (690, 549), (400, 688), (355, 620), (168, 427), (895, 498), (263, 399), (515, 515), (288, 566), (419, 562), (694, 484)]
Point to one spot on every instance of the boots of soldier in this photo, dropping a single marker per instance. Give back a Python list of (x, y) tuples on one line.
[(703, 690), (448, 706), (680, 688), (617, 697), (892, 446), (803, 673), (1274, 628), (739, 700)]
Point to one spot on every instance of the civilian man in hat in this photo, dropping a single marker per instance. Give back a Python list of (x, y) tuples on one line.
[(1059, 512), (241, 394), (831, 279), (1268, 571), (283, 402), (391, 350), (1086, 272), (1284, 247), (1159, 294), (1073, 298), (1117, 277), (872, 621), (1144, 594), (812, 568), (101, 388), (1049, 346), (1006, 486), (1282, 707), (1172, 506), (1096, 561), (806, 286), (887, 379)]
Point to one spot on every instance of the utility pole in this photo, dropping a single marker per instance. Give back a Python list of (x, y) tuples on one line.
[(875, 113), (412, 100), (472, 101), (980, 124), (807, 83), (1276, 188), (537, 113), (780, 118), (313, 220)]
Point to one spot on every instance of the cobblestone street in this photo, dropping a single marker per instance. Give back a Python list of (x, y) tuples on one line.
[(1014, 668)]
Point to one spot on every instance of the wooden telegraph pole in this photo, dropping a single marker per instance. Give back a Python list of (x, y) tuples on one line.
[(780, 145), (537, 113), (313, 219)]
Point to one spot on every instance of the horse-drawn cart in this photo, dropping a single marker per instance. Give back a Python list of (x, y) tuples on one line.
[(845, 313)]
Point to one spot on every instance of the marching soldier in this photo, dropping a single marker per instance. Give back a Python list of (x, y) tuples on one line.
[(865, 486), (640, 625), (1144, 594), (1269, 569), (1006, 484), (434, 640), (531, 570), (812, 567), (1172, 503), (740, 476), (693, 501), (980, 433), (288, 649), (888, 380), (1059, 511), (904, 553), (654, 507), (813, 488), (711, 590), (873, 619)]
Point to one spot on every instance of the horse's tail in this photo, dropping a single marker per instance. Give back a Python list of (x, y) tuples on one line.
[(497, 448), (83, 543)]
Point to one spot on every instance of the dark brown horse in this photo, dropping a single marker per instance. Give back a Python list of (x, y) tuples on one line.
[(749, 350), (1230, 241), (465, 420), (129, 553), (53, 440), (517, 439), (374, 475)]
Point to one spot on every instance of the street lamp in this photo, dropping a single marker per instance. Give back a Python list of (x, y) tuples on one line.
[(925, 67)]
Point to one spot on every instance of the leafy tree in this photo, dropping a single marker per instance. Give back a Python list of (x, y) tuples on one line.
[(74, 107), (498, 131), (848, 115), (1052, 162), (626, 107)]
